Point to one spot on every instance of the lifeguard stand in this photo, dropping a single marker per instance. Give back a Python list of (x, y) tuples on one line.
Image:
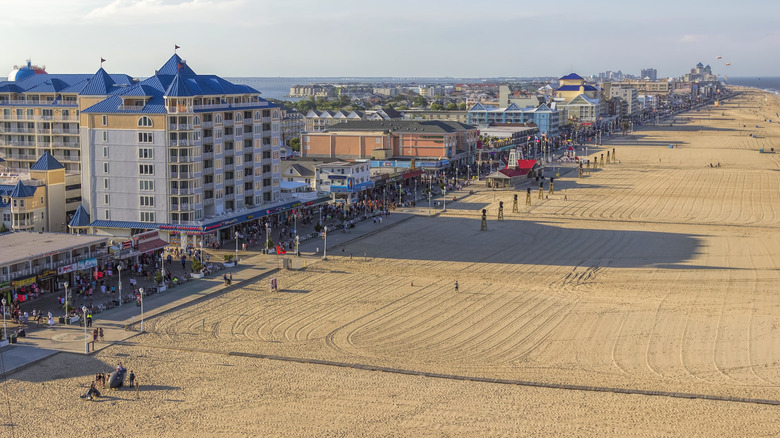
[(501, 210), (514, 206), (483, 227)]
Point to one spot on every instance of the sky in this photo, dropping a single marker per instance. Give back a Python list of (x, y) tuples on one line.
[(398, 38)]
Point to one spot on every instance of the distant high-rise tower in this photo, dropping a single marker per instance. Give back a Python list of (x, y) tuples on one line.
[(649, 73)]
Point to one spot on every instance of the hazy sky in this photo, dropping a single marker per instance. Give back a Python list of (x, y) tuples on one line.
[(476, 38)]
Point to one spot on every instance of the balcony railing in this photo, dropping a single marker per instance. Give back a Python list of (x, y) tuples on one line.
[(180, 127), (229, 105), (131, 107)]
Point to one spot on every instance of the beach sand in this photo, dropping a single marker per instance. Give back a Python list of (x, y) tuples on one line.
[(645, 304)]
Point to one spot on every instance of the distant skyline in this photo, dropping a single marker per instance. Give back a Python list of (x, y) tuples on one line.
[(434, 38)]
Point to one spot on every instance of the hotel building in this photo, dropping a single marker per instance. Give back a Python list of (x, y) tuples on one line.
[(179, 152)]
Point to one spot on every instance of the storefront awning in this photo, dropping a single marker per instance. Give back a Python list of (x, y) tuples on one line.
[(151, 245)]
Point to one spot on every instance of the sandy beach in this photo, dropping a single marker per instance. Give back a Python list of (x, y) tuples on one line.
[(644, 304)]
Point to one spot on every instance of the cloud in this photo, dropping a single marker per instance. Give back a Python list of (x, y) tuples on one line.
[(133, 12), (692, 38)]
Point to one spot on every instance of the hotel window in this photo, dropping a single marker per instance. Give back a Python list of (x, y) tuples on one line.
[(105, 183), (218, 118), (105, 151), (146, 153), (147, 216), (146, 185), (257, 115), (239, 117), (106, 199), (105, 167), (146, 169), (145, 137), (105, 136), (105, 120), (145, 121), (147, 201), (107, 214), (196, 120)]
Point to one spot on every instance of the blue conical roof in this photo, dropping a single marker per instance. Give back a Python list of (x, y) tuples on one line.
[(174, 66), (80, 218), (22, 191), (47, 162), (100, 84), (178, 88)]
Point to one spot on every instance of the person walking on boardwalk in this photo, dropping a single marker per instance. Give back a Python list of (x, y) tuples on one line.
[(100, 334), (456, 285)]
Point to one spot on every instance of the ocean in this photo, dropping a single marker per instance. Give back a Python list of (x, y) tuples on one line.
[(771, 83)]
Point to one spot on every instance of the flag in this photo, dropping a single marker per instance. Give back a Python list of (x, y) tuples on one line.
[(176, 47), (102, 61), (178, 66), (280, 250)]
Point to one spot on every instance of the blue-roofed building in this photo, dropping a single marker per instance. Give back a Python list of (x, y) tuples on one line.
[(579, 101), (38, 199), (179, 151), (40, 112)]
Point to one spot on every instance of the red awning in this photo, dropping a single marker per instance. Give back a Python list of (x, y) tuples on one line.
[(151, 245), (412, 174)]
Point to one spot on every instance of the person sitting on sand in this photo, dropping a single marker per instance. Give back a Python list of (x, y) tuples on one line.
[(93, 392)]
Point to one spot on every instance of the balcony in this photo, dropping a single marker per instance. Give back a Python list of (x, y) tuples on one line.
[(221, 106), (18, 130), (208, 186), (208, 155), (207, 125), (64, 131), (130, 107), (180, 127), (70, 144), (228, 123), (181, 143), (183, 191), (179, 109)]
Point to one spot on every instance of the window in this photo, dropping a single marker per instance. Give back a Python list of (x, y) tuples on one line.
[(146, 153), (147, 216), (218, 118), (146, 185), (145, 137), (105, 167), (105, 183), (257, 115), (6, 217), (146, 169), (105, 120), (196, 120), (239, 117), (107, 214), (105, 136), (106, 199), (147, 201), (145, 121)]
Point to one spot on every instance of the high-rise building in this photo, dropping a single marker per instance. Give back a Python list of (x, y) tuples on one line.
[(649, 73), (178, 151)]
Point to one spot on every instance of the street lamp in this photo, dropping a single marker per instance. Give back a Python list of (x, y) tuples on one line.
[(444, 196), (141, 291), (268, 233), (119, 268), (66, 302), (5, 330), (236, 236), (162, 268), (297, 255), (325, 250), (430, 187), (84, 315)]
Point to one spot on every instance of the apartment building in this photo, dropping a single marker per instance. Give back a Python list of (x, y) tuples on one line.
[(546, 119), (40, 113), (180, 152)]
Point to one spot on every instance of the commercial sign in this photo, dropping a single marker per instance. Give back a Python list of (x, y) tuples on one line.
[(86, 264)]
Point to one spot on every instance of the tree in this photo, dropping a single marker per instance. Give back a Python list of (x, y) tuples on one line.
[(3, 228), (420, 101), (451, 106), (462, 106), (295, 144), (197, 266), (436, 107)]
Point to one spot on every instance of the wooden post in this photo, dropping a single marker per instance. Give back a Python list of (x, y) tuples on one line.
[(514, 206), (541, 190), (483, 227), (528, 197), (500, 212)]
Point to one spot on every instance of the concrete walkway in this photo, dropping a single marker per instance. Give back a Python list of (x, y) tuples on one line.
[(122, 323)]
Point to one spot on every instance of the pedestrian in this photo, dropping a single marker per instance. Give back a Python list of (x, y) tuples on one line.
[(51, 321), (94, 336), (89, 319), (224, 277), (100, 334), (456, 285), (230, 278), (131, 378)]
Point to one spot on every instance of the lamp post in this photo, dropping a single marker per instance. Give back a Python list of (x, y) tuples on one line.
[(66, 302), (5, 330), (86, 344), (297, 242), (430, 187), (141, 291), (119, 268), (268, 233), (236, 236), (162, 268), (325, 250), (444, 196)]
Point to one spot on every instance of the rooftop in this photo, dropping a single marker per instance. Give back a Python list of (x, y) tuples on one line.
[(21, 247)]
